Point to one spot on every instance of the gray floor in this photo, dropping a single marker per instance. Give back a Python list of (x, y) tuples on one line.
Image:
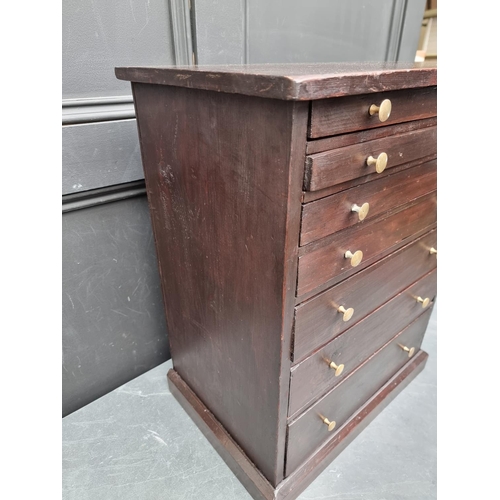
[(138, 443)]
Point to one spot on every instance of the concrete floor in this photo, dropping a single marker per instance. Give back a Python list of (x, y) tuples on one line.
[(138, 443)]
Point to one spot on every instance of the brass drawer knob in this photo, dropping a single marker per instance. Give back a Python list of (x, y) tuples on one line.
[(425, 302), (362, 210), (383, 111), (338, 368), (355, 257), (330, 425), (347, 313), (380, 162), (433, 251), (409, 350)]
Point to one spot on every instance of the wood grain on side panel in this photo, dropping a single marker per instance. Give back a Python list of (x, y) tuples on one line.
[(223, 181)]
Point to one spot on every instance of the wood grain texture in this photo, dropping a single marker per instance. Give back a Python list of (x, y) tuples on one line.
[(329, 215), (307, 433), (317, 320), (295, 159), (324, 259), (343, 164), (297, 482), (340, 141), (313, 377), (349, 114), (289, 81), (308, 196), (223, 185)]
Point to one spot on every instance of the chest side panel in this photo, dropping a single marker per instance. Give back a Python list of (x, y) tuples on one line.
[(225, 204)]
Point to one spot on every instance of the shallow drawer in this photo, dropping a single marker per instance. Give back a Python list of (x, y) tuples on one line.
[(317, 320), (333, 213), (308, 432), (326, 259), (348, 114), (343, 164), (315, 375)]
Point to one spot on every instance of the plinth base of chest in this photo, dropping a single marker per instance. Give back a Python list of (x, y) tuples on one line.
[(292, 486)]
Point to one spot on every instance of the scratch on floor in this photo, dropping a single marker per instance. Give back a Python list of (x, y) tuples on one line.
[(158, 438)]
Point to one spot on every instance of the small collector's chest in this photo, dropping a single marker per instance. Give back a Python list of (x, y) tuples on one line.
[(294, 214)]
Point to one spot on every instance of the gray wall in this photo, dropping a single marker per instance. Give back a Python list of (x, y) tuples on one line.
[(265, 31), (101, 34), (113, 321)]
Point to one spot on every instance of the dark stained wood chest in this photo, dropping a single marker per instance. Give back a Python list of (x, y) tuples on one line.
[(294, 213)]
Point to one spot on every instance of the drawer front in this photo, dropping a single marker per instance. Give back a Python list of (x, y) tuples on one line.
[(313, 377), (326, 259), (348, 114), (329, 215), (307, 433), (317, 321), (341, 141), (344, 164)]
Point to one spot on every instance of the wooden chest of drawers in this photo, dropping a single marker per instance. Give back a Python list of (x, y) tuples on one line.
[(294, 213)]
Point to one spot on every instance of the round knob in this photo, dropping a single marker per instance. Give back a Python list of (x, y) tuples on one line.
[(355, 257), (425, 302), (338, 368), (433, 251), (409, 350), (347, 313), (383, 111), (331, 425), (380, 162), (362, 210)]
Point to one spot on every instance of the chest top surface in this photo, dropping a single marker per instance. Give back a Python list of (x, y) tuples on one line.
[(296, 82)]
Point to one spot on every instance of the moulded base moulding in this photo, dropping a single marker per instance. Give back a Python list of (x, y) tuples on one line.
[(293, 485)]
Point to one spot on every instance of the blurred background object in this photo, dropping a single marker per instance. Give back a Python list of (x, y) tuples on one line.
[(427, 43)]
